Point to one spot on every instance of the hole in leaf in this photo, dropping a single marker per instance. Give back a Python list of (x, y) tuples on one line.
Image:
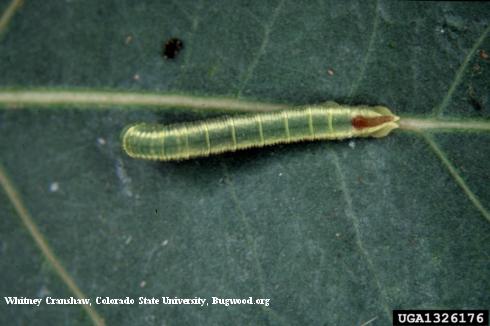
[(172, 47)]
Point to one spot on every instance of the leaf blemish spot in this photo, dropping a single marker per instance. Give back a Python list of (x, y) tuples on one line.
[(474, 99), (54, 187), (477, 105), (483, 55)]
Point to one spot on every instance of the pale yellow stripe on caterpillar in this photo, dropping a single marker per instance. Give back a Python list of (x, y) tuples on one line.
[(286, 126), (233, 133), (261, 130), (162, 138), (187, 148), (310, 123), (330, 122), (208, 141)]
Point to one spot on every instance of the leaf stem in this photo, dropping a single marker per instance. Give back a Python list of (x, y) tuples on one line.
[(14, 99), (441, 125), (100, 99)]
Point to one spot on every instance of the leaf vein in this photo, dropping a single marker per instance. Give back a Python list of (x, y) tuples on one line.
[(369, 50), (459, 74), (261, 50), (251, 242), (8, 14), (456, 176), (188, 52), (355, 222), (43, 244)]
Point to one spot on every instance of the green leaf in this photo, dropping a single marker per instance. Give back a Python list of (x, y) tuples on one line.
[(333, 233)]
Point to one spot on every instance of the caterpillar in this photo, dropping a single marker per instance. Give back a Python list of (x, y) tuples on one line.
[(228, 134)]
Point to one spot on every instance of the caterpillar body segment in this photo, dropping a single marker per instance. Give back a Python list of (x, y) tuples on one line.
[(213, 136)]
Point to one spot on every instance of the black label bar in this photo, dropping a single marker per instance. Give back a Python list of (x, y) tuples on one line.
[(440, 317)]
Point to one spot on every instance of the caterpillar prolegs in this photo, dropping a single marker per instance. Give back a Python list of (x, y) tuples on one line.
[(213, 136)]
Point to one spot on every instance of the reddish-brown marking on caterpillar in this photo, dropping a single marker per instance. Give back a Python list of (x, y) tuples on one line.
[(361, 122)]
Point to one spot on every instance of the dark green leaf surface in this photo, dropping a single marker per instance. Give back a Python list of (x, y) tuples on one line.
[(334, 233)]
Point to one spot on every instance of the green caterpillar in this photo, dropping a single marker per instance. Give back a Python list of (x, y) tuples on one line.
[(203, 138)]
